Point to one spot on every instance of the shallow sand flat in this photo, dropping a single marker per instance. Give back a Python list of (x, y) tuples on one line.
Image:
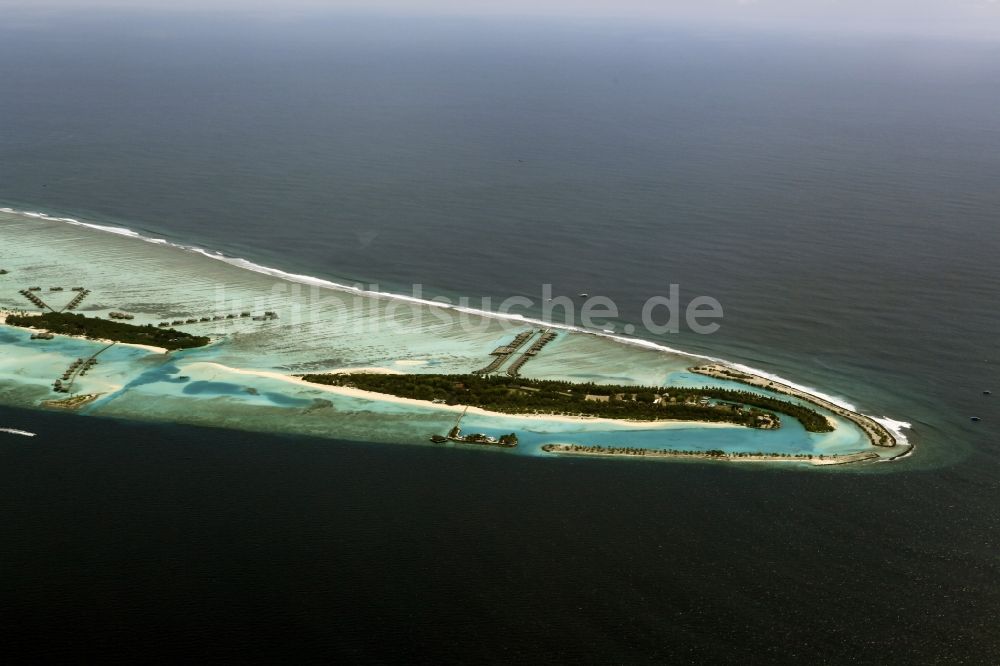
[(318, 329)]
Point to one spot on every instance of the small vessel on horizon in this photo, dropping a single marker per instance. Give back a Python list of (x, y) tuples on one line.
[(974, 419)]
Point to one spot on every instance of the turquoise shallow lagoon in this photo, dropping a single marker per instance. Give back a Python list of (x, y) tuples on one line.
[(241, 379)]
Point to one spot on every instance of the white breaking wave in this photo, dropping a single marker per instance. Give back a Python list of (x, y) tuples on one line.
[(354, 289), (896, 428), (893, 426), (840, 402), (15, 431)]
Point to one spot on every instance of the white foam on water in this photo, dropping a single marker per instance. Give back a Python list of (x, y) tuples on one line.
[(355, 289), (893, 426), (896, 428), (15, 431), (840, 402)]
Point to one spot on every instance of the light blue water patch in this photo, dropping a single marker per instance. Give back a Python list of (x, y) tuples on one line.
[(209, 353), (791, 438), (9, 336), (67, 346)]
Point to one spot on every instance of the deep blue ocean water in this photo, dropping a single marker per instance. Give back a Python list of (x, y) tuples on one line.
[(838, 195)]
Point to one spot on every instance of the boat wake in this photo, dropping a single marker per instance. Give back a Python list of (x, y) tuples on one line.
[(15, 431)]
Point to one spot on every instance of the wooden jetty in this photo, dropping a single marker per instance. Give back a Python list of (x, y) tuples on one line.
[(35, 300), (267, 316), (503, 353), (515, 368), (81, 294), (77, 369)]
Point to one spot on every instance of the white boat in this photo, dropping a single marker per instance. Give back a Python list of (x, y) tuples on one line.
[(15, 431)]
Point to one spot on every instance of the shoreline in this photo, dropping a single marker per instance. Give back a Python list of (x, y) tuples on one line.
[(877, 434), (136, 345), (664, 424), (514, 321), (412, 402), (624, 452)]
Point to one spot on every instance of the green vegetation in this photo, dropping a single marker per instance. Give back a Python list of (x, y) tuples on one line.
[(67, 323), (712, 454), (530, 396)]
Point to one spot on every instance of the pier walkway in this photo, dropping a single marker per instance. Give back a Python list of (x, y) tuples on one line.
[(504, 353), (75, 303), (515, 368), (77, 369), (35, 300), (31, 294), (267, 316)]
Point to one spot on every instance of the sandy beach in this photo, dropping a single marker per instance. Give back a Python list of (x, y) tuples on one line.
[(384, 397), (149, 348)]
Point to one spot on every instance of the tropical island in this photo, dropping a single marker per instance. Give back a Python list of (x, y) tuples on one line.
[(258, 373), (67, 323), (509, 395)]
